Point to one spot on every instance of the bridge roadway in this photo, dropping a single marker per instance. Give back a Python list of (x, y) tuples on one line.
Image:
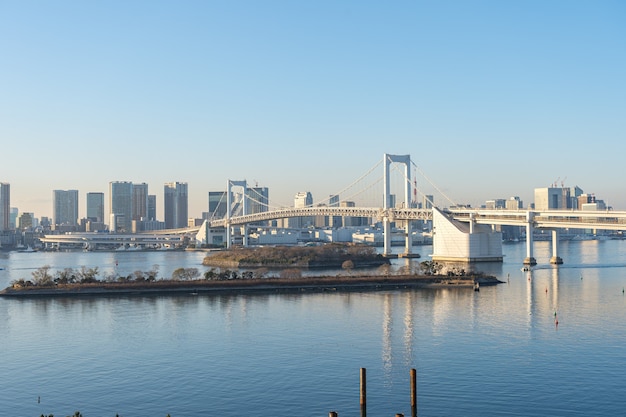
[(554, 220)]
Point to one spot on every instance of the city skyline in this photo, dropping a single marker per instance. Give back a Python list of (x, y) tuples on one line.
[(490, 99)]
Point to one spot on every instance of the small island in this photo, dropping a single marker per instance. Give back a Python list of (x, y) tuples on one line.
[(332, 255), (86, 282)]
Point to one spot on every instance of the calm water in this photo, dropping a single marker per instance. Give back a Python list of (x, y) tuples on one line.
[(496, 352)]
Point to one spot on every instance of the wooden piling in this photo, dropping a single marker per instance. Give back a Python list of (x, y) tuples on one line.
[(413, 392), (332, 414), (363, 396)]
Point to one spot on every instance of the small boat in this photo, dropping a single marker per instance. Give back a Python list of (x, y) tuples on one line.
[(27, 250)]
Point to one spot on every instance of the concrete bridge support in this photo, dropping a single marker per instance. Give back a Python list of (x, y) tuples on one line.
[(555, 259), (530, 229)]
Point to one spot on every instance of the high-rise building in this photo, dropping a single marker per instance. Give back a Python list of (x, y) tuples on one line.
[(428, 201), (176, 205), (65, 209), (514, 203), (5, 205), (302, 199), (95, 207), (334, 221), (13, 218), (121, 206), (217, 205), (258, 200), (140, 201), (151, 207), (495, 204), (550, 198)]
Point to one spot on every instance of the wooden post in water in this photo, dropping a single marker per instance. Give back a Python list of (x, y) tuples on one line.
[(399, 415), (413, 392), (332, 414), (363, 397)]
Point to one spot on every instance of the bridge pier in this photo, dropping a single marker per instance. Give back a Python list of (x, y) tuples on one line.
[(386, 236), (555, 259), (530, 229)]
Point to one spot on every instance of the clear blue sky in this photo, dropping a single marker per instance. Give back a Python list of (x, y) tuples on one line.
[(491, 98)]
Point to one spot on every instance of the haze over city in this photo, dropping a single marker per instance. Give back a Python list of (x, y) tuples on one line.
[(491, 99)]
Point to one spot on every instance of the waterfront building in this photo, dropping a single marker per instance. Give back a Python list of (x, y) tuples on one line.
[(120, 206), (334, 221), (217, 205), (514, 203), (428, 201), (95, 207), (176, 205), (26, 221), (13, 217), (258, 199), (140, 201), (5, 206), (151, 207), (495, 204), (65, 208), (302, 199), (549, 198)]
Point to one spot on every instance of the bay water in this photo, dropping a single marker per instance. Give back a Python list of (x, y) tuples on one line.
[(548, 342)]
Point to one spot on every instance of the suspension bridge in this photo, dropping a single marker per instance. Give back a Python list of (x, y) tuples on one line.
[(390, 198), (455, 223)]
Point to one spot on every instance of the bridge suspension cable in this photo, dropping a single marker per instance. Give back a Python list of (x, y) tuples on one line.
[(432, 184)]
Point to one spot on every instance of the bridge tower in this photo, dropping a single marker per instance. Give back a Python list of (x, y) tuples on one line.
[(229, 208), (388, 160)]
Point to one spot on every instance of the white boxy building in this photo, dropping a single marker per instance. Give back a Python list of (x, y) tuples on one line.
[(457, 241)]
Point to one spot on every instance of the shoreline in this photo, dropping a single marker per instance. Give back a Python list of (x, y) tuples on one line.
[(254, 286)]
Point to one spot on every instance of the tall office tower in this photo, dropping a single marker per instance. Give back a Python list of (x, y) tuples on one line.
[(140, 201), (151, 207), (176, 205), (217, 204), (121, 206), (5, 205), (13, 218), (95, 207), (258, 199), (334, 221), (302, 199), (428, 201), (65, 210), (550, 198), (514, 203)]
